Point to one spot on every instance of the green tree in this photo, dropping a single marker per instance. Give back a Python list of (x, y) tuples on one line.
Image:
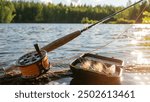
[(6, 11), (33, 12), (38, 11), (146, 18)]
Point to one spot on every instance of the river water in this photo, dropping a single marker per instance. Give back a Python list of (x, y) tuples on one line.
[(18, 39)]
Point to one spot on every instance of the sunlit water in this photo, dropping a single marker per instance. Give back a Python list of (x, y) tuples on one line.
[(18, 39)]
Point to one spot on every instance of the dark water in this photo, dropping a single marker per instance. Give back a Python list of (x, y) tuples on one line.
[(18, 39)]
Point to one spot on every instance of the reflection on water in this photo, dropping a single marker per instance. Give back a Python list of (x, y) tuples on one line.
[(139, 58), (18, 39), (141, 53), (134, 42), (136, 79)]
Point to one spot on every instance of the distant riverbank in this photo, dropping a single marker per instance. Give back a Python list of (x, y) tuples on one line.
[(34, 12)]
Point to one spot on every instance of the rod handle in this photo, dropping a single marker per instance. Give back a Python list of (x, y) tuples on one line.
[(61, 41)]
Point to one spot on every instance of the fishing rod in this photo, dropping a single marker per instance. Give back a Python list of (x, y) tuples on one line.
[(61, 41), (35, 63), (110, 16)]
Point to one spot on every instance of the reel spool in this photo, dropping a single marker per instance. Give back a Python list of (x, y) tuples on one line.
[(33, 64)]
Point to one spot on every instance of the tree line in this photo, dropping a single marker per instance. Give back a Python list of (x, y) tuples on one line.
[(35, 12)]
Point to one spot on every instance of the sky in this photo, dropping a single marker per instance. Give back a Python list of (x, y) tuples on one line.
[(89, 2), (95, 2)]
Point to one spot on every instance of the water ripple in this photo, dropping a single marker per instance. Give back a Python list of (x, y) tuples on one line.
[(18, 39)]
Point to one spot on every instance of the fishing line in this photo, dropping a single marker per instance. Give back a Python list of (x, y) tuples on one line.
[(121, 33), (103, 20), (110, 16)]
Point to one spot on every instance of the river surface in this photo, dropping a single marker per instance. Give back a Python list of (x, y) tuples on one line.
[(130, 43), (121, 40)]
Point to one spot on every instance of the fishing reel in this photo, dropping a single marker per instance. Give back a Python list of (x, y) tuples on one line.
[(34, 63)]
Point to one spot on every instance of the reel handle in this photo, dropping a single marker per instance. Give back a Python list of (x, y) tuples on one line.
[(37, 49)]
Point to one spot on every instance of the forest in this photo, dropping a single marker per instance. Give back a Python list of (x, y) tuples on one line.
[(35, 12)]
